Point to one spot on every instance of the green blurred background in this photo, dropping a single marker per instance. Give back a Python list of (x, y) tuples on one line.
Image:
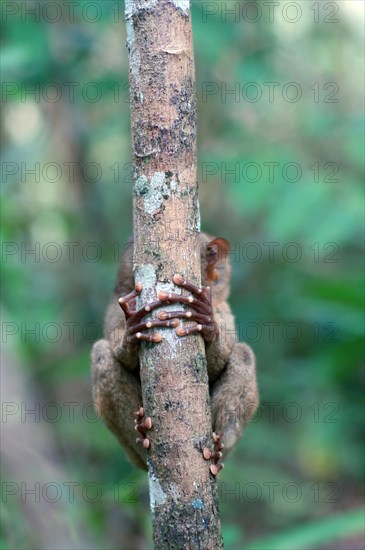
[(296, 229)]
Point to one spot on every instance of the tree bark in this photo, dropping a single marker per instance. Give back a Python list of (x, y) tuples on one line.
[(183, 493)]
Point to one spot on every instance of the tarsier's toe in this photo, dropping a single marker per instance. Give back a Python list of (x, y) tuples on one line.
[(141, 425), (214, 455), (216, 468), (145, 442)]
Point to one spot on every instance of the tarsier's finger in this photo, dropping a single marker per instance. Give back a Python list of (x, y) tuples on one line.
[(140, 327), (124, 301), (207, 330), (135, 338), (137, 290), (138, 315), (192, 316), (198, 293), (188, 329), (172, 298)]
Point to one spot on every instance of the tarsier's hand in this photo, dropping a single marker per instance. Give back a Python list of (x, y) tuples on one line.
[(202, 315), (201, 304), (136, 330)]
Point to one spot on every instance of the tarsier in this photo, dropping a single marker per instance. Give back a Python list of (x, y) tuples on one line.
[(231, 365)]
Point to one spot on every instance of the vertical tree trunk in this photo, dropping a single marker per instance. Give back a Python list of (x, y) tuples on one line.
[(183, 493)]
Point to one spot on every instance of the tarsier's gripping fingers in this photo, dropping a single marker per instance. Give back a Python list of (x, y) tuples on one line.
[(135, 334), (200, 302), (135, 329), (153, 324), (141, 425), (215, 455), (204, 294), (195, 303), (208, 331), (129, 301)]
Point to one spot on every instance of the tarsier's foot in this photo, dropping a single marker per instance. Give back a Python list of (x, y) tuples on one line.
[(141, 425), (136, 328), (200, 302), (215, 455)]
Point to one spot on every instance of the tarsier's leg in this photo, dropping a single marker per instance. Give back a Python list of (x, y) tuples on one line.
[(234, 396), (117, 395)]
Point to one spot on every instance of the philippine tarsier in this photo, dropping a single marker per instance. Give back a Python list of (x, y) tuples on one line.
[(231, 365)]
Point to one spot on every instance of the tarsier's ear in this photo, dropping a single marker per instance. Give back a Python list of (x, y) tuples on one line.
[(217, 252)]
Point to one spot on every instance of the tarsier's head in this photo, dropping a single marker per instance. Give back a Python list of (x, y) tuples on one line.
[(216, 268)]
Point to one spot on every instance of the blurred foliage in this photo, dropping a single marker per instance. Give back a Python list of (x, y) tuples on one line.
[(295, 480)]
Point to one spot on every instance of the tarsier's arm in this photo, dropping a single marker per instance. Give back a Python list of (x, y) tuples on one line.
[(231, 366)]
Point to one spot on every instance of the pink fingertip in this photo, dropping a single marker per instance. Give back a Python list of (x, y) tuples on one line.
[(207, 453), (178, 279), (214, 469)]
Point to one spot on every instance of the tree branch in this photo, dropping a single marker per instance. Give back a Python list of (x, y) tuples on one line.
[(183, 493)]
